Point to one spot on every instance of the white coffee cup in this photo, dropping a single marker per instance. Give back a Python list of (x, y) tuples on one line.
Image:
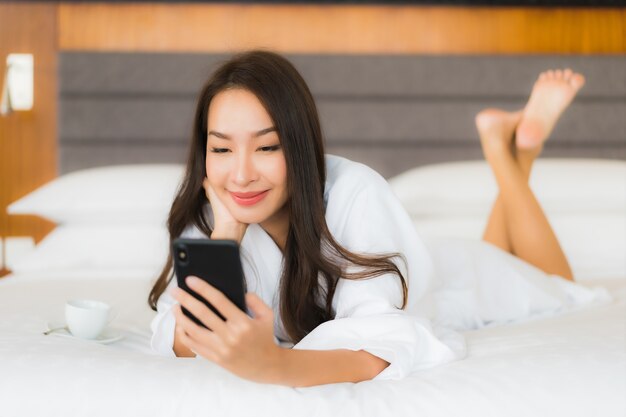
[(87, 319)]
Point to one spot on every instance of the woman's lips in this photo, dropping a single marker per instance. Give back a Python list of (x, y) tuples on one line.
[(248, 199)]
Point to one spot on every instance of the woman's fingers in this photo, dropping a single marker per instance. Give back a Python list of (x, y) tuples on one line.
[(258, 307), (200, 340), (200, 311), (195, 347), (217, 299), (247, 345)]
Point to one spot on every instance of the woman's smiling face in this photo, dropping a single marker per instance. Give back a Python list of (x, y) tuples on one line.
[(245, 163)]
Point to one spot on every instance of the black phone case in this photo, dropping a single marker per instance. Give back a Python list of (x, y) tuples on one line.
[(214, 261)]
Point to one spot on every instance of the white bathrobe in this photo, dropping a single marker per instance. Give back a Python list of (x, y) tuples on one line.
[(453, 284)]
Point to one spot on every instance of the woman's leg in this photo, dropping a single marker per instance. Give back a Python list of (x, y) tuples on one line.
[(496, 231), (517, 223)]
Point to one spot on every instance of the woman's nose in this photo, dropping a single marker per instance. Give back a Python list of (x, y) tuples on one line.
[(244, 172)]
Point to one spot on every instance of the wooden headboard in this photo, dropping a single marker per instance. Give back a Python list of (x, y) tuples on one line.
[(390, 112)]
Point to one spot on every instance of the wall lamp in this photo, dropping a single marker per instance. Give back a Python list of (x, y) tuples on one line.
[(18, 85)]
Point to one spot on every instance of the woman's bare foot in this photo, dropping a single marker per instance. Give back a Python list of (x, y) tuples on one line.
[(552, 93), (496, 128)]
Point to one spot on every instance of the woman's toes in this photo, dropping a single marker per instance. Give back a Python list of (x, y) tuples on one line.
[(567, 74), (577, 81), (549, 98), (543, 76)]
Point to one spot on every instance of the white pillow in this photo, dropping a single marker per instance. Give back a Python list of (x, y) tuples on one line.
[(561, 186), (124, 194), (584, 199), (97, 248)]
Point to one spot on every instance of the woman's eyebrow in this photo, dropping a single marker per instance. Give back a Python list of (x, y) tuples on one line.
[(257, 134), (264, 131)]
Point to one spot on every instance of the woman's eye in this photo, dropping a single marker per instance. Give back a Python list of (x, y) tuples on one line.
[(269, 148), (219, 150)]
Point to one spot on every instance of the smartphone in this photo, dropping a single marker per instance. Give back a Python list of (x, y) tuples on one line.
[(214, 261)]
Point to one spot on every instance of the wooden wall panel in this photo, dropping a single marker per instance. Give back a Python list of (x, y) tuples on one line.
[(340, 29), (28, 140)]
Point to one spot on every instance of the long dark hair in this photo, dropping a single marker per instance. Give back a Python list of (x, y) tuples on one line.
[(313, 260)]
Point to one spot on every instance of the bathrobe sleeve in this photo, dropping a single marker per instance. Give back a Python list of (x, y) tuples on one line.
[(365, 217), (163, 325)]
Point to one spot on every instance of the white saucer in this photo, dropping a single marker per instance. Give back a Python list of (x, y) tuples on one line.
[(109, 335)]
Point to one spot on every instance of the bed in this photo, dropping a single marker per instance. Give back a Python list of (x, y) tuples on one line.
[(571, 364)]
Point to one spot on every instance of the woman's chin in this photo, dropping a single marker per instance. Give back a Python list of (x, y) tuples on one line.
[(250, 218), (255, 215)]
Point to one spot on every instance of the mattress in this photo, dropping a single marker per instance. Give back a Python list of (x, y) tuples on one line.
[(573, 364)]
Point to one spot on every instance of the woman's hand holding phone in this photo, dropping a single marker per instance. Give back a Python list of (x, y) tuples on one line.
[(244, 345), (225, 225)]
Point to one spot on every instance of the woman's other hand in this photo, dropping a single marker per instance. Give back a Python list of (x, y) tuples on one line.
[(225, 225), (243, 345)]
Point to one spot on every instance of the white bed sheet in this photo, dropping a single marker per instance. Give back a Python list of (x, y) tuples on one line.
[(573, 364)]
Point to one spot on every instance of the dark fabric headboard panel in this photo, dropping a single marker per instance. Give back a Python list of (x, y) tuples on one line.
[(391, 112)]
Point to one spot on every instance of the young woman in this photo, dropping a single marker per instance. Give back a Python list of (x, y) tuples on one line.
[(340, 286)]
